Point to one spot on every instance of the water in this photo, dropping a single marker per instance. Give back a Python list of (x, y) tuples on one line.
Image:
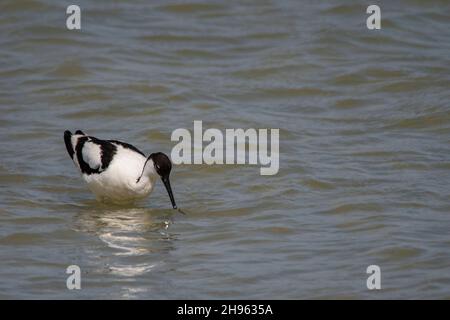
[(364, 140)]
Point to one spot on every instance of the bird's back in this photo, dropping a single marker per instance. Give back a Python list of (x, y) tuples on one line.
[(110, 167)]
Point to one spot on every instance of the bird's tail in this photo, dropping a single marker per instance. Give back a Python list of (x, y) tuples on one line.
[(68, 141)]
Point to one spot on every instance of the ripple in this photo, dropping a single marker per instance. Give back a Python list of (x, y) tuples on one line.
[(354, 207), (350, 103), (318, 184), (406, 86), (278, 230), (191, 7), (400, 253), (70, 69), (13, 178), (435, 120), (31, 5), (23, 239), (343, 9), (147, 89), (200, 54)]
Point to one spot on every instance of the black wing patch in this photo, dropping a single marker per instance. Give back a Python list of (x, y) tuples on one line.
[(107, 152), (127, 146)]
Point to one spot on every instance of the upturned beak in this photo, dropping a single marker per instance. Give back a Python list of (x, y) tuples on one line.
[(166, 182)]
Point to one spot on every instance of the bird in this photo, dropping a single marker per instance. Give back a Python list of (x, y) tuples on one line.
[(116, 171)]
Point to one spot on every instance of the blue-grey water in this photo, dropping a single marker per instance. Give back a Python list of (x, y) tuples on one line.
[(364, 119)]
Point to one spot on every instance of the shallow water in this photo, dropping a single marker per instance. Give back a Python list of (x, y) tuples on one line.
[(364, 148)]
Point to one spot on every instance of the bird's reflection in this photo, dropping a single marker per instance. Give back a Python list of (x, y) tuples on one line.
[(137, 239)]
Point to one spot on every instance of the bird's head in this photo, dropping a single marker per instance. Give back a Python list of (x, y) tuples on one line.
[(159, 164), (162, 166)]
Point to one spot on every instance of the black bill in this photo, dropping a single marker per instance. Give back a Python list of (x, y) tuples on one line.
[(166, 182)]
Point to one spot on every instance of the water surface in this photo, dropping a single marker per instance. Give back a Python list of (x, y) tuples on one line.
[(364, 122)]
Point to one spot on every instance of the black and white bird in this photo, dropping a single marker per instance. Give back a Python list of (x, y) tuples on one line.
[(116, 171)]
